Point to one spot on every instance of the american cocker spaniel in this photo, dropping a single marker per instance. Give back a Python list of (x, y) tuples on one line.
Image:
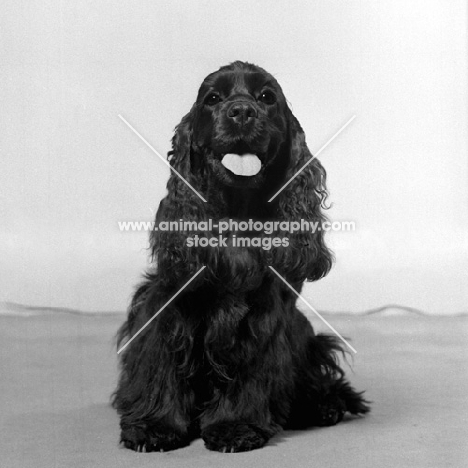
[(231, 358)]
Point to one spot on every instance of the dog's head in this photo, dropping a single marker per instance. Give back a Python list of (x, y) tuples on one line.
[(237, 129), (240, 124)]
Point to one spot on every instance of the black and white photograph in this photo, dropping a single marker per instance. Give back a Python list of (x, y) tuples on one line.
[(234, 234)]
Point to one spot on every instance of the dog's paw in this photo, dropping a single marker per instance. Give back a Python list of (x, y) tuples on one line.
[(156, 438), (231, 436), (330, 411)]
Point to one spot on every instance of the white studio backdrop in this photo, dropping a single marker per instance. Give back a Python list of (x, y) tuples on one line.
[(71, 169)]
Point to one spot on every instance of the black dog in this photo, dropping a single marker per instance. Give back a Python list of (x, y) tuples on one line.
[(231, 358)]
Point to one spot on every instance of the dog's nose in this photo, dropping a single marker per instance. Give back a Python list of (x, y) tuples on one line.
[(242, 112)]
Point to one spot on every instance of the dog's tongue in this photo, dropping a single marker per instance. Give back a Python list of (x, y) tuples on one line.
[(243, 165)]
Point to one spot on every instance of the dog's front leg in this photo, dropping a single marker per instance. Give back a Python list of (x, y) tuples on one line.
[(154, 397), (247, 377)]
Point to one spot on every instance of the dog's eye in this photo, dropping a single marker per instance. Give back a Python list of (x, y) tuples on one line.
[(212, 99), (267, 97)]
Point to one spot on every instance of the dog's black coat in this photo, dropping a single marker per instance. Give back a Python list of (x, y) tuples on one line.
[(231, 358)]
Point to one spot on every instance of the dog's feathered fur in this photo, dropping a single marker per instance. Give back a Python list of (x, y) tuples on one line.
[(232, 359)]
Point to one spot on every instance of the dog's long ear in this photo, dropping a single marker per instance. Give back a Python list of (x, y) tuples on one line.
[(186, 158), (304, 199), (183, 202), (179, 156)]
